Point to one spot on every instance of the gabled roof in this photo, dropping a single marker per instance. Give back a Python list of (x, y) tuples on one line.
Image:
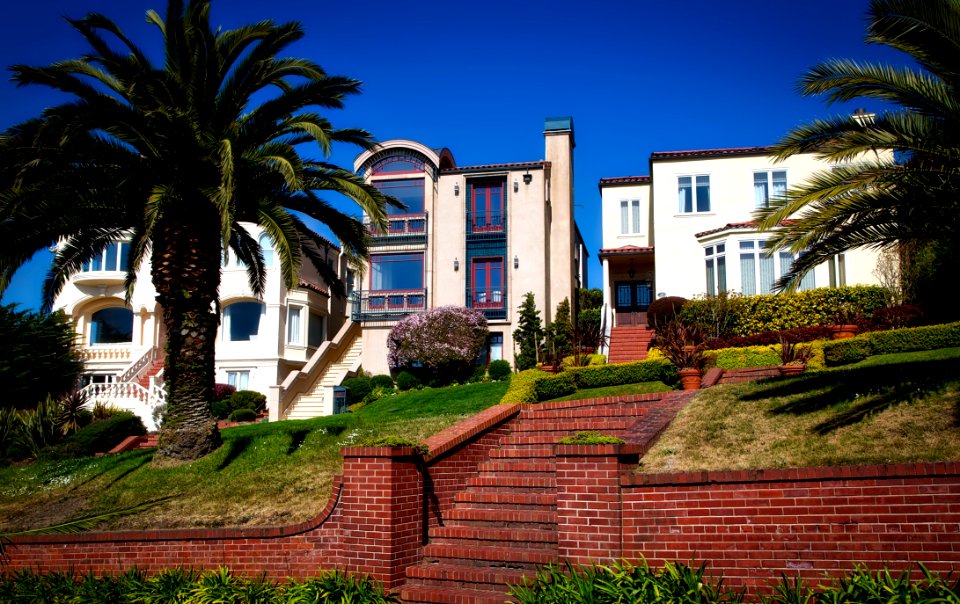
[(705, 153), (624, 251)]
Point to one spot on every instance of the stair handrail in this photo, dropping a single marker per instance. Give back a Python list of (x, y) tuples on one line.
[(133, 371), (112, 392), (605, 329), (298, 380)]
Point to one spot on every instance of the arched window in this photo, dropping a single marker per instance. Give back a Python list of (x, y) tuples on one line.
[(241, 321), (266, 248), (111, 326)]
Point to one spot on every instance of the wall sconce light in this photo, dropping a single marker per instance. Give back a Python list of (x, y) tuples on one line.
[(516, 185), (631, 273), (456, 265), (516, 262), (456, 189), (527, 178)]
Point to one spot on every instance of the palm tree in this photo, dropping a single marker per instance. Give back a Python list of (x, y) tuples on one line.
[(174, 158), (875, 198)]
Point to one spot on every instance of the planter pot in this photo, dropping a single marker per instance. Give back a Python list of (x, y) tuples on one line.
[(690, 379), (792, 369), (841, 332)]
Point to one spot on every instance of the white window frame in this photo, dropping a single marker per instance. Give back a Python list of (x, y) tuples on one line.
[(239, 378), (769, 180), (716, 261), (694, 183), (630, 216), (775, 261), (295, 331)]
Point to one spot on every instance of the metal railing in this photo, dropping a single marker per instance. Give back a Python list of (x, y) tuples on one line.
[(491, 301), (406, 228), (387, 304), (486, 224)]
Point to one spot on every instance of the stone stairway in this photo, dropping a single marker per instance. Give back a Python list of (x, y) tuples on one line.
[(503, 526), (313, 403), (153, 370), (629, 343)]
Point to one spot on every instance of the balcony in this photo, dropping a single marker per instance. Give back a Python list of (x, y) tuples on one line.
[(401, 229), (486, 225), (88, 277), (492, 302), (387, 305)]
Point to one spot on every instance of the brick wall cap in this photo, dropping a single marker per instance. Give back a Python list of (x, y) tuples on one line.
[(597, 450), (404, 451), (463, 431)]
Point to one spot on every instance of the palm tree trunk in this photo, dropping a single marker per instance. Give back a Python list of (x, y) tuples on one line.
[(186, 274)]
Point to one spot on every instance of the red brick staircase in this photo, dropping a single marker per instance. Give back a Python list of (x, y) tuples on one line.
[(504, 524), (629, 343), (149, 373)]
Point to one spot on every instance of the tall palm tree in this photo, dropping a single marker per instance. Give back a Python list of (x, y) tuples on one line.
[(873, 198), (174, 157)]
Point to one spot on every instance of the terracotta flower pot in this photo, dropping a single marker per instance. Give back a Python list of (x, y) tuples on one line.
[(690, 379), (841, 332)]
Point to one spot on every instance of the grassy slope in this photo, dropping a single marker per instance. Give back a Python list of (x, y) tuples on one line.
[(265, 474), (887, 409)]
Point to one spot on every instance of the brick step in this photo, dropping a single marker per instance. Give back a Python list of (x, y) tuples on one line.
[(574, 425), (620, 410), (466, 577), (496, 498), (531, 439), (507, 481), (542, 518), (432, 594), (489, 536), (518, 466), (523, 452), (591, 403), (486, 556)]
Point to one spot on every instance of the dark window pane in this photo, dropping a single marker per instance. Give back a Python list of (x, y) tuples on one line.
[(111, 326), (244, 320), (409, 191)]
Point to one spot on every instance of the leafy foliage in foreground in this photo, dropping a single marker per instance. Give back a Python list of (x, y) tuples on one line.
[(187, 586)]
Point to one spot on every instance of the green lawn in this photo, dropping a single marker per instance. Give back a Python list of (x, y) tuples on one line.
[(265, 474), (886, 409)]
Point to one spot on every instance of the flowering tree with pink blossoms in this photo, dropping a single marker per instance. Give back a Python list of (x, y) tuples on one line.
[(441, 342)]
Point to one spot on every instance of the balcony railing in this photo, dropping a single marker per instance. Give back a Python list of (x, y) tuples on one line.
[(492, 302), (486, 225), (401, 228), (387, 304)]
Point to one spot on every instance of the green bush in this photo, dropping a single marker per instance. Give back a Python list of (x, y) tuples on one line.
[(407, 381), (739, 358), (220, 409), (663, 310), (382, 381), (105, 434), (909, 339), (863, 586), (357, 388), (598, 376), (479, 374), (247, 399), (555, 386), (523, 387), (585, 360), (243, 415), (499, 370)]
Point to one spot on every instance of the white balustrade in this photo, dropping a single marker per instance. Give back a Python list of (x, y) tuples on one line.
[(106, 353)]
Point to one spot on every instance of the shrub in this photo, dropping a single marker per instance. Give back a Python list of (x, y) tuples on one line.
[(663, 310), (499, 370), (222, 392), (394, 441), (739, 358), (357, 388), (555, 386), (247, 399), (523, 387), (442, 342), (479, 374), (243, 415), (220, 409), (896, 317), (716, 315), (853, 350), (407, 381), (382, 381), (560, 331), (105, 434), (528, 335), (622, 373), (585, 360), (798, 334), (682, 344)]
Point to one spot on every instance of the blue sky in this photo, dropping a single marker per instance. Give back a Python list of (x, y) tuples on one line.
[(479, 78)]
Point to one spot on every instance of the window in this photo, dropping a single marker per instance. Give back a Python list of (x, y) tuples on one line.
[(487, 283), (759, 270), (315, 330), (768, 186), (293, 325), (111, 326), (396, 272), (716, 268), (266, 248), (492, 350), (838, 270), (114, 257), (397, 165), (486, 205), (239, 379), (629, 216), (351, 281), (407, 190), (241, 321), (694, 193)]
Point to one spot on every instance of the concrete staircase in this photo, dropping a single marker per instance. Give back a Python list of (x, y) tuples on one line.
[(153, 370), (629, 343), (313, 403), (503, 526)]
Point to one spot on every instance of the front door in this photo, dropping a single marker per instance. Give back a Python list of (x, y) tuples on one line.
[(632, 300)]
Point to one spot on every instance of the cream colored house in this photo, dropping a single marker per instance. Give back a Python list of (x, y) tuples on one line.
[(686, 230), (260, 341), (473, 236)]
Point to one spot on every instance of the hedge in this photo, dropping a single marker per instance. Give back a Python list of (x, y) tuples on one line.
[(758, 356), (908, 339), (534, 385)]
